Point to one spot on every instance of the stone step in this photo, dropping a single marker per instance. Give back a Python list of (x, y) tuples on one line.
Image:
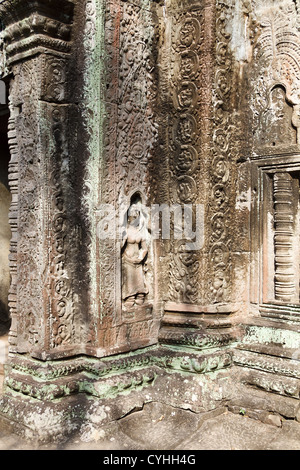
[(256, 403), (274, 383), (267, 370), (271, 338), (267, 363)]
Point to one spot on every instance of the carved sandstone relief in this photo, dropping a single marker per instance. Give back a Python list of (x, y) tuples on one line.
[(184, 141), (64, 237), (92, 36), (277, 127), (26, 313), (221, 174), (41, 27), (275, 108), (42, 225), (134, 256), (276, 93), (125, 294), (198, 145)]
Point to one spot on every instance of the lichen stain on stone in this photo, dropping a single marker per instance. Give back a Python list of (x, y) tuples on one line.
[(267, 335)]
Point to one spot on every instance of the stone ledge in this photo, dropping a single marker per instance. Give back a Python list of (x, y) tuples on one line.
[(285, 386), (267, 363), (181, 308), (281, 313), (196, 338), (255, 399), (48, 421), (101, 378)]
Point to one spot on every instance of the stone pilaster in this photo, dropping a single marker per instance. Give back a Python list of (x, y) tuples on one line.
[(44, 298)]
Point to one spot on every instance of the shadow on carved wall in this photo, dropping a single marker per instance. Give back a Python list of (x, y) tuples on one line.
[(5, 231)]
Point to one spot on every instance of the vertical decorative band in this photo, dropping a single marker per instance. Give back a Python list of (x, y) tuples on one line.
[(220, 169), (187, 86), (285, 289), (13, 217)]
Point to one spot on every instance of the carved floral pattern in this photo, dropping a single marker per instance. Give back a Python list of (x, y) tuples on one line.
[(130, 92), (220, 190), (184, 144), (277, 52)]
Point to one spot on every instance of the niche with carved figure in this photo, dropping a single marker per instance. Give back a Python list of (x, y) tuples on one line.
[(276, 127), (275, 210), (135, 250)]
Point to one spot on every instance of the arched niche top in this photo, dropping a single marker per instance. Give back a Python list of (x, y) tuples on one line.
[(279, 122), (136, 198)]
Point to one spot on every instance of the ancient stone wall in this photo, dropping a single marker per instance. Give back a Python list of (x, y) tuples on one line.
[(120, 112), (265, 49)]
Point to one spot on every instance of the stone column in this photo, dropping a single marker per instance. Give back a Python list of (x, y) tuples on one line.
[(285, 285), (46, 237), (45, 298), (61, 325)]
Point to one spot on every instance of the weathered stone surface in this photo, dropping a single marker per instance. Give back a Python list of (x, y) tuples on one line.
[(154, 212), (254, 399), (212, 431)]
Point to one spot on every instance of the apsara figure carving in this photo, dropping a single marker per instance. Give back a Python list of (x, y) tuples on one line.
[(134, 255)]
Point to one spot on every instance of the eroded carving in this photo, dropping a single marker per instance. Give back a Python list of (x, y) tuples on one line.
[(277, 52), (285, 288), (276, 122), (223, 148), (128, 151), (134, 255), (184, 144)]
